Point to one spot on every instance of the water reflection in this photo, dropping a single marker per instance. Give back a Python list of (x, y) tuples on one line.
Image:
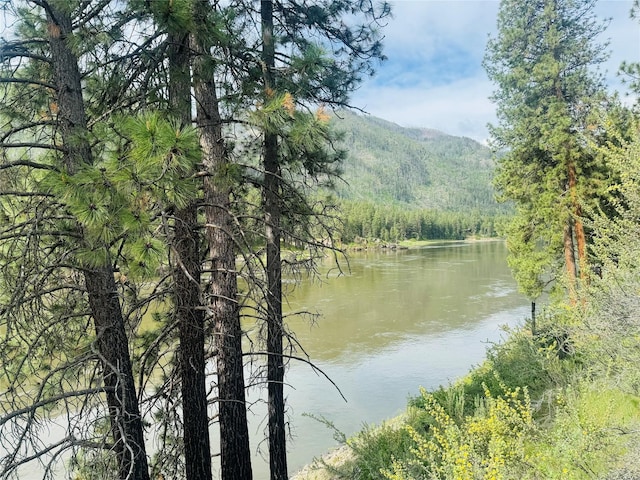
[(392, 296)]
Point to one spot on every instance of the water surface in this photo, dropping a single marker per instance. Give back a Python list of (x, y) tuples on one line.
[(399, 320)]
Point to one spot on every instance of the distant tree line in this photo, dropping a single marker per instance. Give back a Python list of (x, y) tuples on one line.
[(392, 223)]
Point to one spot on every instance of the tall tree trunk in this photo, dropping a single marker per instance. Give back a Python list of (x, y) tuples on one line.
[(574, 226), (111, 338), (113, 348), (570, 259), (186, 278), (533, 318), (581, 242), (222, 295), (272, 213), (275, 328), (190, 317), (580, 237)]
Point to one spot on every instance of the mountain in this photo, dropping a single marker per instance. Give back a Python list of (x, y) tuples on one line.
[(413, 167)]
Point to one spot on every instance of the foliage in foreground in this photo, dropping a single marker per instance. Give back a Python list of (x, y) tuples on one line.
[(480, 446)]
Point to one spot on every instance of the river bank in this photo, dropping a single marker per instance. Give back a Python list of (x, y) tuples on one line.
[(377, 244), (525, 412)]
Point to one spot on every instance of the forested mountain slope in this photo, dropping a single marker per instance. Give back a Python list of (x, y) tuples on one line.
[(415, 168)]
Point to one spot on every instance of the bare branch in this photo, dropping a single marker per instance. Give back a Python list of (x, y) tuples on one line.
[(29, 81), (54, 399), (43, 146), (24, 194), (28, 163), (24, 127), (308, 362)]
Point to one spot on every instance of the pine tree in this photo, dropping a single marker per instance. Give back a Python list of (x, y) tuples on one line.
[(542, 62), (186, 243), (293, 141), (77, 247), (223, 304)]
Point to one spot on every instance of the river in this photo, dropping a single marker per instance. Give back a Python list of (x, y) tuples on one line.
[(394, 321), (400, 319)]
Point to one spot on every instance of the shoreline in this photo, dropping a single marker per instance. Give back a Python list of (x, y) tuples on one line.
[(377, 244)]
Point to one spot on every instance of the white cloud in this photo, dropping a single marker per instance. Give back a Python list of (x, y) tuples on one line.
[(461, 108), (434, 77)]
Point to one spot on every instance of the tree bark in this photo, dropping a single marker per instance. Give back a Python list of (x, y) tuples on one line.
[(570, 260), (272, 214), (580, 237), (186, 279), (117, 374), (222, 302), (111, 338), (191, 330)]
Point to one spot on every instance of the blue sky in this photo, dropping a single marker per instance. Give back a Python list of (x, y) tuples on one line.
[(433, 77)]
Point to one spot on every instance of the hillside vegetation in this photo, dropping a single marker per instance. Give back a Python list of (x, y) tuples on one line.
[(407, 183), (415, 168), (559, 398)]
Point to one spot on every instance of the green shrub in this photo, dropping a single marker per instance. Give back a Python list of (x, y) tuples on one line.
[(593, 424), (373, 449), (489, 445)]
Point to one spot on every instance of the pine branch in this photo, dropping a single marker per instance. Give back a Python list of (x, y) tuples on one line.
[(24, 127), (313, 366), (56, 398), (11, 193), (6, 54), (92, 14), (31, 145), (29, 81), (47, 8)]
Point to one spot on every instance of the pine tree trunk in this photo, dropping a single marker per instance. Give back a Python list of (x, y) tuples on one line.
[(117, 374), (272, 213), (275, 361), (580, 237), (570, 260), (190, 317), (222, 304), (186, 278), (111, 338)]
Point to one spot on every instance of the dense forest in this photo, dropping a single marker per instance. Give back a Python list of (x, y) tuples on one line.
[(364, 221), (399, 183), (157, 157)]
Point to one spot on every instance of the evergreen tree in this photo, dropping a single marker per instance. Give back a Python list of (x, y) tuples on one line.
[(272, 214), (223, 304), (49, 45), (186, 262), (542, 62), (291, 141)]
